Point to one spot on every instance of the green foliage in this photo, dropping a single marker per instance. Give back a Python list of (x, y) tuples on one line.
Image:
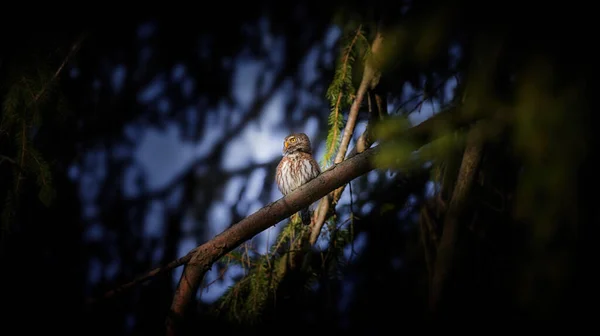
[(245, 301), (31, 97), (341, 91)]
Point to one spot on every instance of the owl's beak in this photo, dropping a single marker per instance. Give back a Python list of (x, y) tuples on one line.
[(285, 145)]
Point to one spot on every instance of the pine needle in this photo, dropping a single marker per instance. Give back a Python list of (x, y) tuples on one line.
[(341, 87)]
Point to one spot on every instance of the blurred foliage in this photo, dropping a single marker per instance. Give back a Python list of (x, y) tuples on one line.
[(517, 97)]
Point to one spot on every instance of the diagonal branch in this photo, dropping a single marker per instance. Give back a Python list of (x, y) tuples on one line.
[(338, 103), (443, 264), (370, 75), (74, 48), (35, 98), (370, 78), (208, 253), (355, 165), (145, 277)]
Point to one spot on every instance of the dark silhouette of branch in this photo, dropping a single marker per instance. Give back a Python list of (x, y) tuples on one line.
[(445, 254), (74, 48), (205, 255), (146, 277)]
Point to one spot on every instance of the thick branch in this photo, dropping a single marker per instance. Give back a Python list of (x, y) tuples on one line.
[(445, 254), (421, 133), (264, 218)]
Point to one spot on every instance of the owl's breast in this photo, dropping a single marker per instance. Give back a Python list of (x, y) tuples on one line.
[(295, 170)]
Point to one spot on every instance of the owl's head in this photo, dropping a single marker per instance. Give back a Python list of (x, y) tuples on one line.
[(297, 142)]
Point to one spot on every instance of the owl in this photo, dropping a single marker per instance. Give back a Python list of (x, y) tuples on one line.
[(297, 167)]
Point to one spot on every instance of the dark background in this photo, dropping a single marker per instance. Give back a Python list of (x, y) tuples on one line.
[(153, 160)]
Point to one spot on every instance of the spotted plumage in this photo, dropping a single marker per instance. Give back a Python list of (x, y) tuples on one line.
[(297, 167)]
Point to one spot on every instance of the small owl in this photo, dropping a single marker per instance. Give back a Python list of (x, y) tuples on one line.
[(297, 167)]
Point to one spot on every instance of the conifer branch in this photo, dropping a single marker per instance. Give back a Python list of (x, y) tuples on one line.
[(369, 79), (205, 255), (428, 240), (341, 81), (369, 75), (74, 48), (24, 152)]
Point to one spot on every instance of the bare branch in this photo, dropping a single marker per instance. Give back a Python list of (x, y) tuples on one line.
[(72, 51), (146, 277)]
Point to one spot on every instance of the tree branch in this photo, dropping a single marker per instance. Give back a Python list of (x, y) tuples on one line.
[(205, 255), (74, 48), (145, 277), (369, 80), (445, 253), (355, 165), (369, 74)]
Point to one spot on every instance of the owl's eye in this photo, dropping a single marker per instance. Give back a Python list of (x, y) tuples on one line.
[(292, 140)]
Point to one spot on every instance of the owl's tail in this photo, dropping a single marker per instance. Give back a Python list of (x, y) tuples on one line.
[(305, 215)]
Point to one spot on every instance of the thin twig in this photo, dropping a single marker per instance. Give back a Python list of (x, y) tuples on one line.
[(426, 246), (35, 99), (6, 158), (147, 276), (352, 251), (74, 48), (431, 230), (219, 277)]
